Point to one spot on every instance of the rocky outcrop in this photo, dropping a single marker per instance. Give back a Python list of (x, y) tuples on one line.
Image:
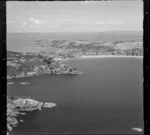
[(27, 104), (19, 106), (49, 105), (35, 65)]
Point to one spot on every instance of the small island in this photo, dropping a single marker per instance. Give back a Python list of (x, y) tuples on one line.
[(49, 105)]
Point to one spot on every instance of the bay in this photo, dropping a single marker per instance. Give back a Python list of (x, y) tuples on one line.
[(107, 98)]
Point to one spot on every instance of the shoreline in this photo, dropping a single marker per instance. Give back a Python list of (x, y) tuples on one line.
[(109, 56), (17, 106)]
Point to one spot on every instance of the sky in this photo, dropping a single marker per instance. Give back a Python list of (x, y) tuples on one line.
[(74, 16)]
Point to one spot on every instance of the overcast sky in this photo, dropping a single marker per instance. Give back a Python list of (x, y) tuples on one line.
[(77, 16)]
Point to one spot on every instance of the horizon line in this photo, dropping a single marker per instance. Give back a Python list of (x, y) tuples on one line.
[(80, 31)]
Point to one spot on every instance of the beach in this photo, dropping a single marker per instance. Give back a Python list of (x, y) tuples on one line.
[(109, 56)]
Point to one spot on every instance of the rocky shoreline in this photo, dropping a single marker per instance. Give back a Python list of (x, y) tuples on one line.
[(31, 65), (20, 106), (53, 72), (109, 56), (26, 65)]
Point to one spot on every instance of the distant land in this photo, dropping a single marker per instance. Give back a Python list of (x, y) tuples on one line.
[(67, 46), (93, 36)]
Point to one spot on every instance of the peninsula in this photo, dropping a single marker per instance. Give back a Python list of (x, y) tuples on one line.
[(26, 65), (20, 106)]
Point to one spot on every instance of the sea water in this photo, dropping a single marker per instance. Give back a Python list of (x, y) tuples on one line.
[(107, 98)]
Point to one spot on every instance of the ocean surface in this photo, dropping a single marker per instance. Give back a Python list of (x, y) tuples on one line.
[(34, 42), (106, 99)]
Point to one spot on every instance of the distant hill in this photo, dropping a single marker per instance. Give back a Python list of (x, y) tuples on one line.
[(105, 36), (120, 36)]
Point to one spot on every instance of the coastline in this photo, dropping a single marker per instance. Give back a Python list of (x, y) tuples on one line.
[(109, 56), (20, 106)]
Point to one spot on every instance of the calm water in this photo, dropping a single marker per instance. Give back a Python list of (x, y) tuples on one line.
[(106, 99)]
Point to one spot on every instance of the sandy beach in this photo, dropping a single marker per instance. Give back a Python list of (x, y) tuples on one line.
[(110, 56)]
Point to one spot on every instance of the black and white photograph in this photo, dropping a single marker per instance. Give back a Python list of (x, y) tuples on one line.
[(74, 67)]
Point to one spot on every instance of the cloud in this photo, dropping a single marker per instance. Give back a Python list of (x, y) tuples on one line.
[(11, 22), (98, 22), (24, 23), (114, 22), (31, 19), (67, 20), (37, 21), (107, 22), (87, 22)]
